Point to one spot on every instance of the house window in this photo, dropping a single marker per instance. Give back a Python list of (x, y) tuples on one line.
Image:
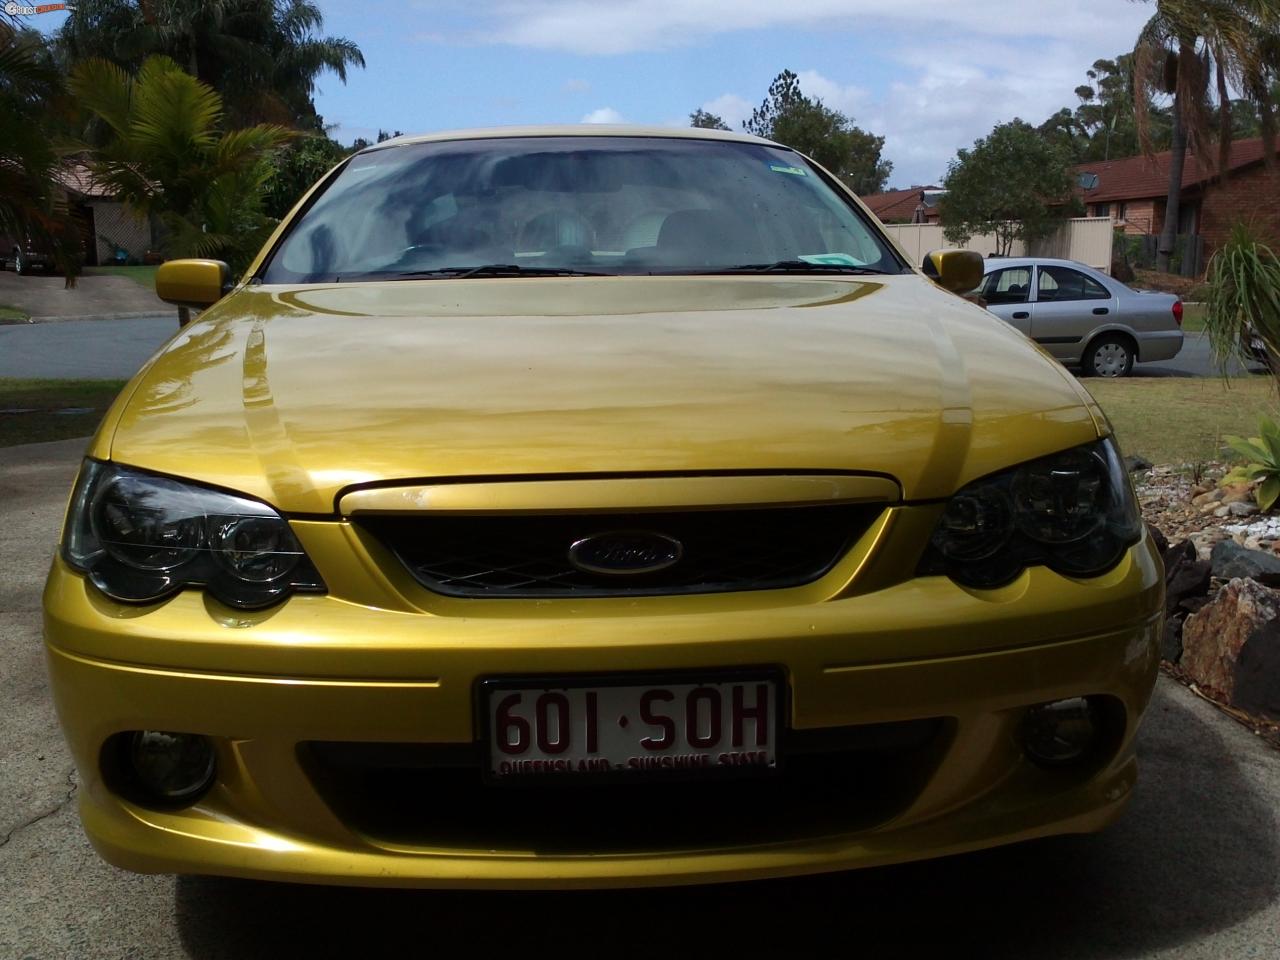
[(1122, 210), (1102, 209)]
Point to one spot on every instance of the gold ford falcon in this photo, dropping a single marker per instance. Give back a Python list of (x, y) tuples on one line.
[(580, 507)]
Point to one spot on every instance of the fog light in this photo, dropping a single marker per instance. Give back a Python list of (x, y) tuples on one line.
[(1059, 732), (171, 767)]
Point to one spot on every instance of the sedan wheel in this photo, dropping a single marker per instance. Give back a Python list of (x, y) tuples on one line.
[(1109, 357), (20, 265)]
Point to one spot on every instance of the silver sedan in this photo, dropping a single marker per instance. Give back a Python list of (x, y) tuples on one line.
[(1081, 316)]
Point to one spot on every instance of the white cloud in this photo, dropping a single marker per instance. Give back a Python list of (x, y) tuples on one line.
[(959, 66), (730, 108), (603, 115), (945, 96), (626, 26), (847, 99)]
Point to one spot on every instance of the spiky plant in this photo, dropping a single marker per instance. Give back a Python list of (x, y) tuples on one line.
[(1243, 298)]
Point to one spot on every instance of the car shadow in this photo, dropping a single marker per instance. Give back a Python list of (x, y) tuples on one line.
[(1195, 853)]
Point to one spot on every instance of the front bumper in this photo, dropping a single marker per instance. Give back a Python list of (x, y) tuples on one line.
[(327, 669)]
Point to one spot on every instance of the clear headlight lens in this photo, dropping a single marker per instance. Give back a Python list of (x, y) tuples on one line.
[(141, 538), (1073, 512)]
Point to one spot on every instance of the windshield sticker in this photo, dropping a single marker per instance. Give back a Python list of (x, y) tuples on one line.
[(783, 168)]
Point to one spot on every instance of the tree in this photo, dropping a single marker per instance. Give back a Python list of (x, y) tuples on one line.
[(1196, 51), (707, 121), (167, 156), (31, 92), (828, 136), (1013, 183), (1103, 124), (262, 56), (295, 169)]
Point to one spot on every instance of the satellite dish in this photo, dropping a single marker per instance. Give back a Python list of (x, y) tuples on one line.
[(1087, 181)]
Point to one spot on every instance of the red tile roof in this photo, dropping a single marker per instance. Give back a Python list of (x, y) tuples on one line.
[(899, 205), (1137, 178)]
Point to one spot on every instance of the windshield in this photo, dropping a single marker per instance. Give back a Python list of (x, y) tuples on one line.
[(562, 205)]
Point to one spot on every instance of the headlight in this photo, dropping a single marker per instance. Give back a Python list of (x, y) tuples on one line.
[(141, 538), (1073, 512)]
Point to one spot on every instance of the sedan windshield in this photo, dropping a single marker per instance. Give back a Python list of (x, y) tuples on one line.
[(564, 206)]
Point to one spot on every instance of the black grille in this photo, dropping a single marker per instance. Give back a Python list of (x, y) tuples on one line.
[(831, 782), (528, 556)]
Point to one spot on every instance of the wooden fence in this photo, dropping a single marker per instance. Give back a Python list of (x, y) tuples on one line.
[(1086, 240)]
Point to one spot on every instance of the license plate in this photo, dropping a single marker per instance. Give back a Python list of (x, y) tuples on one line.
[(545, 729)]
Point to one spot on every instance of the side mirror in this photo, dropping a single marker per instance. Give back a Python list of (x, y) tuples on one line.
[(193, 283), (959, 271)]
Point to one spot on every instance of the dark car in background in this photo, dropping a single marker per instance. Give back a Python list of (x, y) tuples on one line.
[(24, 255)]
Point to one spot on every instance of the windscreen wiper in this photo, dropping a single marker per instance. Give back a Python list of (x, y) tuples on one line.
[(500, 270), (793, 266)]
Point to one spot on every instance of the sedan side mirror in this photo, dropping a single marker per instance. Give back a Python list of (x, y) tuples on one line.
[(959, 271), (193, 283)]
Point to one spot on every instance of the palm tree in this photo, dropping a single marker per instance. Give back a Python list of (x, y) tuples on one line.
[(1197, 51), (31, 203), (262, 56), (167, 156)]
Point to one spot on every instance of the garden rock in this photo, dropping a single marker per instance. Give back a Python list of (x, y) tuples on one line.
[(1171, 642), (1229, 561), (1242, 508), (1185, 575), (1231, 647), (1137, 464)]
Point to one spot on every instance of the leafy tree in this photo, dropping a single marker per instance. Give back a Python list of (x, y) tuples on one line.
[(262, 56), (1013, 183), (1103, 124), (31, 91), (788, 116), (295, 169), (168, 157), (1195, 51), (707, 121)]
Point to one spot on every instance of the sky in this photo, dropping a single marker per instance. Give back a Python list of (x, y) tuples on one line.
[(930, 76)]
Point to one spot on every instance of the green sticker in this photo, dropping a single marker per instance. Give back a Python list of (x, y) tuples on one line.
[(783, 168)]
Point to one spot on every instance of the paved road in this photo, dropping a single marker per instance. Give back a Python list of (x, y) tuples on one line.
[(83, 349), (1191, 871)]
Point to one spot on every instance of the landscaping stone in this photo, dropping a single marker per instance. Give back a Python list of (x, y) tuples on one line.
[(1171, 642), (1231, 647), (1185, 575), (1137, 464), (1258, 673), (1229, 561), (1242, 508)]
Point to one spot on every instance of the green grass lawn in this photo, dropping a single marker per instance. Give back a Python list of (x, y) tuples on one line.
[(12, 314), (1183, 420), (33, 411), (145, 276)]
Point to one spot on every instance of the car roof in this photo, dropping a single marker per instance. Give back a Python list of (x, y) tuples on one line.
[(991, 263), (573, 130)]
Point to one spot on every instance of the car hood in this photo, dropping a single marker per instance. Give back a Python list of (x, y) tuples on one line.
[(293, 394)]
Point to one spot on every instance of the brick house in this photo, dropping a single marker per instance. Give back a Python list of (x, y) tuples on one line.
[(105, 223), (917, 205), (1132, 192)]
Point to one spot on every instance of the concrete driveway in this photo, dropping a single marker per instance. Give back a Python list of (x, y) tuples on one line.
[(45, 296), (1193, 869)]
